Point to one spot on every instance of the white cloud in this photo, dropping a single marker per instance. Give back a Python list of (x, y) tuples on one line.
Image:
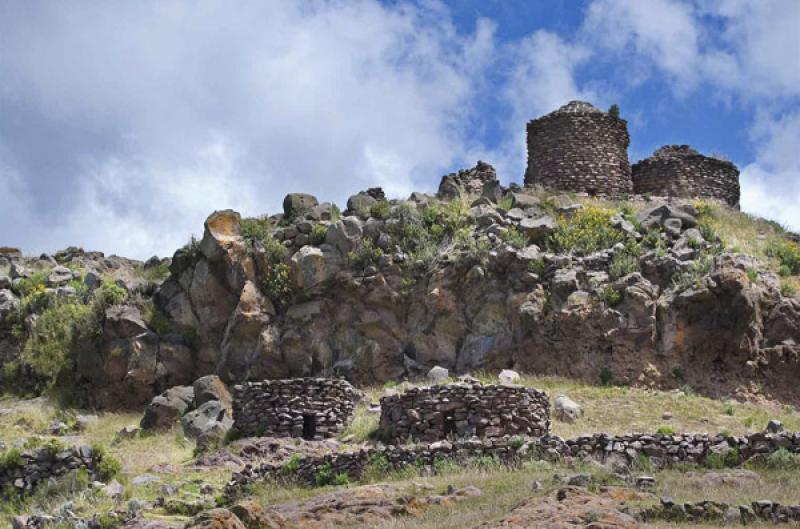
[(139, 119)]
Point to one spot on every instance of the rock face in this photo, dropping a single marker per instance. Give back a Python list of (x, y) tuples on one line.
[(467, 182), (464, 410)]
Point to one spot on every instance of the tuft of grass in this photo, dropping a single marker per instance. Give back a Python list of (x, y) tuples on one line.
[(588, 230), (380, 210), (318, 234), (366, 254), (515, 238)]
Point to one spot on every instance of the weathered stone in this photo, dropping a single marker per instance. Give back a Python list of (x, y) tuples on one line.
[(165, 409), (296, 204), (566, 409)]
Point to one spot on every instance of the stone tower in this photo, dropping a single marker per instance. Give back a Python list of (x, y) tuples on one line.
[(579, 148), (680, 171)]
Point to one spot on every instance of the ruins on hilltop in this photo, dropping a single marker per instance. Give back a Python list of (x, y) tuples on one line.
[(581, 149)]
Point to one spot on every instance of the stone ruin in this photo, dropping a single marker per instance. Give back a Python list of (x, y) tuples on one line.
[(581, 149), (680, 171), (311, 408), (464, 410)]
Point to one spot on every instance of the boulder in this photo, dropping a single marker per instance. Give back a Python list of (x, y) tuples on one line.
[(310, 268), (208, 424), (255, 516), (566, 409), (296, 204), (438, 374), (211, 388), (60, 275), (216, 519), (466, 182), (656, 216), (360, 202), (345, 234), (8, 302), (536, 229), (165, 409), (507, 376)]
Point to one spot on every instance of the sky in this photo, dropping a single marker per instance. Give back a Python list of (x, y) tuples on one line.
[(124, 124)]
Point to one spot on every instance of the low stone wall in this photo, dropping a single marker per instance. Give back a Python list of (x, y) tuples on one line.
[(714, 511), (312, 408), (662, 450), (25, 473), (680, 171), (464, 410)]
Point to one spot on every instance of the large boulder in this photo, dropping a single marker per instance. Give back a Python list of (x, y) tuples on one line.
[(8, 302), (255, 516), (312, 266), (345, 234), (216, 519), (296, 204), (211, 388), (165, 409), (466, 182), (566, 409), (59, 276), (208, 424)]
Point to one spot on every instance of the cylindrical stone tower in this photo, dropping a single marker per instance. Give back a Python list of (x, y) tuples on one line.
[(680, 171), (579, 148)]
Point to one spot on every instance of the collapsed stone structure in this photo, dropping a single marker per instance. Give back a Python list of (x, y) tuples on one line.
[(36, 466), (581, 149), (311, 408), (464, 410), (680, 171)]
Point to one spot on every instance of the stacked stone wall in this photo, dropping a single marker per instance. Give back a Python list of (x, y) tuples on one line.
[(579, 148), (36, 466), (314, 408), (662, 450), (679, 171), (464, 410)]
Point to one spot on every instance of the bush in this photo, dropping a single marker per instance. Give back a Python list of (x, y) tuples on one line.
[(291, 466), (366, 254), (782, 459), (156, 273), (341, 479), (506, 203), (588, 230), (692, 276), (788, 290), (318, 234), (613, 111), (110, 293), (537, 266), (377, 467), (324, 475), (277, 283), (26, 286), (787, 253), (606, 377), (380, 210), (256, 228), (622, 264), (727, 459), (611, 296), (10, 459), (515, 238), (106, 466), (665, 430)]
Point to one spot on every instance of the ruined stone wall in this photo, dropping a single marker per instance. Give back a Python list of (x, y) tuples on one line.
[(581, 149), (36, 466), (464, 410), (680, 171), (312, 408)]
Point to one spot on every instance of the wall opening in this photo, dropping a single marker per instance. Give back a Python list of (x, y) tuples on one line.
[(449, 427), (309, 426)]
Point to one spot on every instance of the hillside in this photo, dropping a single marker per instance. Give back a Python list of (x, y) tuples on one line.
[(657, 315)]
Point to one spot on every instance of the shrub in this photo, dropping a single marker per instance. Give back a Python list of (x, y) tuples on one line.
[(788, 289), (727, 459), (782, 459), (611, 296), (291, 466), (110, 293), (514, 237), (276, 252), (752, 275), (156, 273), (537, 266), (692, 276), (29, 285), (506, 203), (787, 253), (336, 213), (613, 111), (318, 234), (257, 228), (606, 376), (277, 283), (192, 248), (341, 479), (324, 475), (377, 467), (106, 466), (730, 410), (665, 430), (588, 230), (10, 459), (516, 442), (366, 254), (380, 210), (622, 264)]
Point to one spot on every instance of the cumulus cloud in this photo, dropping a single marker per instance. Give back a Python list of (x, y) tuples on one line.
[(125, 125)]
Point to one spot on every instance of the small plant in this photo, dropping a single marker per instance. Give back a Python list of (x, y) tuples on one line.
[(686, 389), (506, 203), (749, 421), (537, 266), (318, 234), (611, 296), (782, 459), (606, 376), (692, 276), (291, 466), (341, 479), (516, 442), (257, 228), (622, 264), (110, 293), (515, 238), (719, 460), (787, 253), (677, 373), (277, 283), (613, 111), (788, 290), (156, 273), (366, 254), (665, 430), (106, 466), (377, 467), (730, 410), (752, 275), (325, 475), (588, 230), (380, 210)]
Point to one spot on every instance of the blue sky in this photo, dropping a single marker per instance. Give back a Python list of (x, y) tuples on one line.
[(123, 126)]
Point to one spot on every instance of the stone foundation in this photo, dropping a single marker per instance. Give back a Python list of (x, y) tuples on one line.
[(36, 466), (312, 408), (680, 171), (581, 149), (464, 410)]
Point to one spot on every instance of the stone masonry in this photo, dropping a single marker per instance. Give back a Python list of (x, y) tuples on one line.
[(312, 408), (581, 149), (464, 410), (680, 171), (33, 467)]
